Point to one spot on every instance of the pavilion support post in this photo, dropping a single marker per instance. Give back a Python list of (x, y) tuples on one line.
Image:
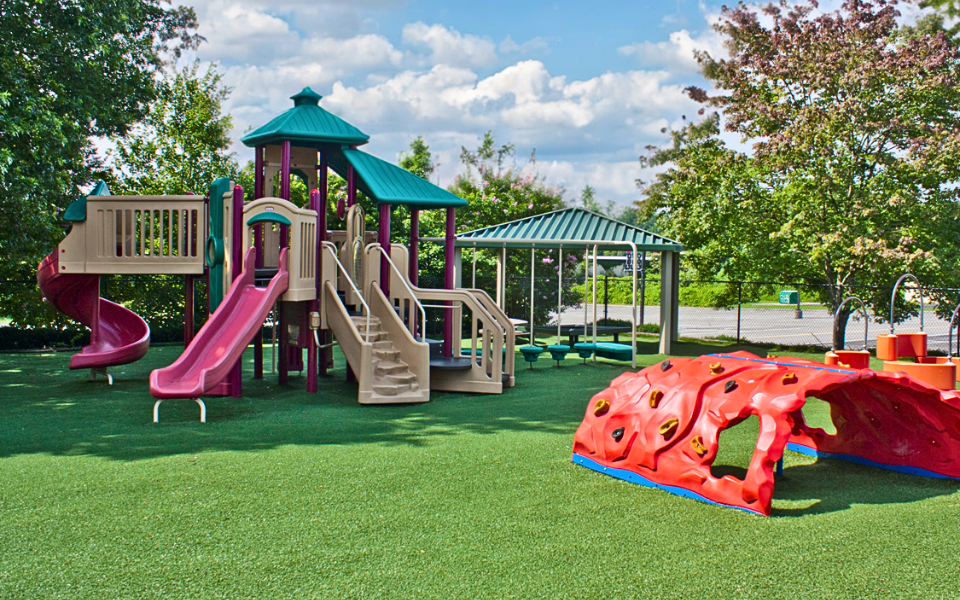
[(384, 239), (634, 324), (594, 300), (669, 299), (502, 277), (449, 281), (559, 290), (473, 278), (586, 275), (643, 285), (458, 268), (533, 279), (413, 267)]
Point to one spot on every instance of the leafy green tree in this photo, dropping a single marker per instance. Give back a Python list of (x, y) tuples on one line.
[(418, 160), (182, 143), (70, 72), (855, 143)]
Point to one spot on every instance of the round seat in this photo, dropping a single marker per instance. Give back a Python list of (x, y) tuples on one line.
[(585, 350), (531, 354), (558, 352)]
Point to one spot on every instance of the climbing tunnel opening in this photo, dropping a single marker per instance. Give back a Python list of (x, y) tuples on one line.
[(735, 448)]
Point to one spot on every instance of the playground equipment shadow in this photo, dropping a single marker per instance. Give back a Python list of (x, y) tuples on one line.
[(49, 409)]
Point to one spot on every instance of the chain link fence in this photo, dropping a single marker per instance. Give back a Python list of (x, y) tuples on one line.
[(784, 314)]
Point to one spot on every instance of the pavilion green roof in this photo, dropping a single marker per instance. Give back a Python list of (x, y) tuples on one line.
[(564, 227), (306, 124), (389, 184)]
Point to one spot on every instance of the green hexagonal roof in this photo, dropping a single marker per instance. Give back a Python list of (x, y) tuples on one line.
[(306, 124)]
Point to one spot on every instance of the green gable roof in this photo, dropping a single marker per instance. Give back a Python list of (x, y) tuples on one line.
[(389, 184), (306, 123), (555, 228)]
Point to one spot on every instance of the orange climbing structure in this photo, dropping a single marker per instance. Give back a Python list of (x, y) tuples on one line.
[(661, 427)]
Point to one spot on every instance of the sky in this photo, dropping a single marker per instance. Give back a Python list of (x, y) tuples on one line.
[(586, 86)]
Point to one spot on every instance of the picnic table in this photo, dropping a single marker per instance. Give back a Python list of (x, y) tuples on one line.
[(573, 332)]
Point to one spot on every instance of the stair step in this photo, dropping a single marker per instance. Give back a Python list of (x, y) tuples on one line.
[(381, 344), (391, 389), (390, 368), (362, 320), (407, 377), (390, 355)]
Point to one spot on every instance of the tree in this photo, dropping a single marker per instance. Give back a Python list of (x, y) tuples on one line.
[(182, 144), (70, 71), (855, 143), (419, 160)]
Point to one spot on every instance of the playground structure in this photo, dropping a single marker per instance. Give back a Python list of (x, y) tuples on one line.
[(661, 427), (330, 288)]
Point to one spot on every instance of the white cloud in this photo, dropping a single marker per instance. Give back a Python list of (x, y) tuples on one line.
[(677, 54), (450, 47)]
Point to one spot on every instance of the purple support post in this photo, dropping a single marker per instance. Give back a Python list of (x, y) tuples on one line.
[(384, 240), (236, 241), (413, 268), (258, 184), (448, 280), (283, 348), (325, 355), (259, 177), (187, 310), (315, 303), (351, 186)]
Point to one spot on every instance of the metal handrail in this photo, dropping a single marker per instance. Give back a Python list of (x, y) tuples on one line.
[(333, 251), (893, 298), (413, 295), (866, 320)]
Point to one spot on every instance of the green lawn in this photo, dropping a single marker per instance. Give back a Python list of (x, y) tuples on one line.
[(288, 495)]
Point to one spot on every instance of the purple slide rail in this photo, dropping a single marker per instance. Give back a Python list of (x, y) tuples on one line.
[(209, 358), (118, 336)]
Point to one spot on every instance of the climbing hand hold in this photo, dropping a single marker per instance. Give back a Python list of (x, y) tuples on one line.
[(698, 446), (716, 368), (730, 386), (665, 365), (601, 407), (669, 427), (655, 397), (617, 434), (789, 378)]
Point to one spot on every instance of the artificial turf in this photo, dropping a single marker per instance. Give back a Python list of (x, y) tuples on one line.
[(284, 494)]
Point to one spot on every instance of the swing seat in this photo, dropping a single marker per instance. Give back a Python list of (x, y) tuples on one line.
[(614, 351)]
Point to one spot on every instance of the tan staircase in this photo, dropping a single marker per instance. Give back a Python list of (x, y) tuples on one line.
[(393, 381)]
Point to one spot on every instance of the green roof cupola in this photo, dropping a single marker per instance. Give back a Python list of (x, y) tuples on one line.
[(306, 124), (306, 97)]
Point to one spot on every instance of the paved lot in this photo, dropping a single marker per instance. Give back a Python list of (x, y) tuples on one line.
[(775, 325)]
